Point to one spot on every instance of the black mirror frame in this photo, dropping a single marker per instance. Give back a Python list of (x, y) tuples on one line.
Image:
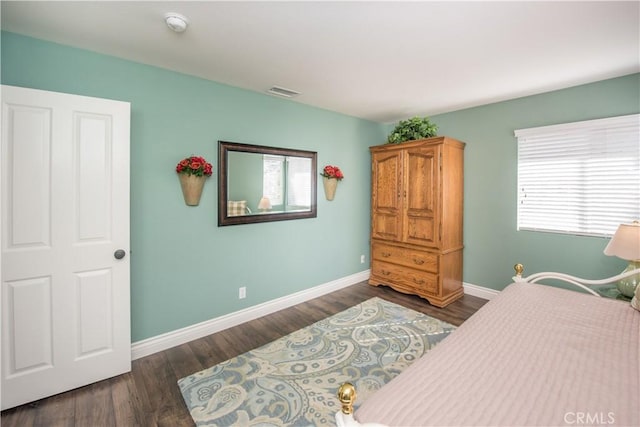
[(223, 149)]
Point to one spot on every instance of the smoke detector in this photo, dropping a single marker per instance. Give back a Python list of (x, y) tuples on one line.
[(176, 22)]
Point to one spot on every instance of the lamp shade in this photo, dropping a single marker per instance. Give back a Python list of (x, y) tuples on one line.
[(264, 203), (625, 243)]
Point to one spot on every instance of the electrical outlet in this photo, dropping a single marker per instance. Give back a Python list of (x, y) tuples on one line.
[(361, 259), (242, 292)]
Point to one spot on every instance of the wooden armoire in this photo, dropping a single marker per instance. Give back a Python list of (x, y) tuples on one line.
[(416, 218)]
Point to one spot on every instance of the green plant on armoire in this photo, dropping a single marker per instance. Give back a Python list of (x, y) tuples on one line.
[(412, 129)]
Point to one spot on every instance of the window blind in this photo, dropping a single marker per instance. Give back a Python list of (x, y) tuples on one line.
[(579, 178), (272, 179), (299, 185)]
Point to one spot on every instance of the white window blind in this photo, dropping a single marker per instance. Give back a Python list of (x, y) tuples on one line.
[(579, 178), (295, 189), (273, 179), (298, 182)]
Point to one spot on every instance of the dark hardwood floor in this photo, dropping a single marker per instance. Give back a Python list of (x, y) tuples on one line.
[(149, 394)]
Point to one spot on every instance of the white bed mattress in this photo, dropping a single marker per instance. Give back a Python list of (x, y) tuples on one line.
[(534, 355)]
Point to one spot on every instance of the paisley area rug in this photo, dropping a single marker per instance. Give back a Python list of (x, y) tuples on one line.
[(293, 381)]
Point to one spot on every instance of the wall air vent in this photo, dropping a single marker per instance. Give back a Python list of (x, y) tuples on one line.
[(280, 91)]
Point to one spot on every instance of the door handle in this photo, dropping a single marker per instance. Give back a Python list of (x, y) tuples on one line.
[(119, 254)]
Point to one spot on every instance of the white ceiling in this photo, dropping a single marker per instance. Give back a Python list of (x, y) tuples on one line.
[(382, 61)]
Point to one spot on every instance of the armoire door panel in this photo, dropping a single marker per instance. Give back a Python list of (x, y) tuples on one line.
[(421, 231), (386, 226), (422, 188), (422, 180), (387, 173), (386, 197)]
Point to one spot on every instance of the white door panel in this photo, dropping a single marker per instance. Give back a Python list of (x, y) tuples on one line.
[(27, 207), (28, 312), (65, 211), (94, 312)]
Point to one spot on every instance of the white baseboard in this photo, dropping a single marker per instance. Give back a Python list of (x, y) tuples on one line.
[(167, 340), (479, 291)]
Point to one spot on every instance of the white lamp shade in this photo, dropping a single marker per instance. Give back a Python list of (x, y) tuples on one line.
[(264, 203), (625, 243)]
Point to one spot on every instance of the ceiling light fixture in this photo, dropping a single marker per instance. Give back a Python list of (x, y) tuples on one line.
[(176, 22), (280, 91)]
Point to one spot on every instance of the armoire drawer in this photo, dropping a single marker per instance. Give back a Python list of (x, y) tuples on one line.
[(403, 256), (395, 274)]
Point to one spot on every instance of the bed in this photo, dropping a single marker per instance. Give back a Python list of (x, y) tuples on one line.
[(534, 355)]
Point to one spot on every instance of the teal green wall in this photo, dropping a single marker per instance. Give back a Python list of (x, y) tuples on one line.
[(492, 243), (184, 268)]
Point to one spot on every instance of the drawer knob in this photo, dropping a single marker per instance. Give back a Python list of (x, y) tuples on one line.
[(418, 261)]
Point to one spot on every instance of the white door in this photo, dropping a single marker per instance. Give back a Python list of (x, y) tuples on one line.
[(65, 212)]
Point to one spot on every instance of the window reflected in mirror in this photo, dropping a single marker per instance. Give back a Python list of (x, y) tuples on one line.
[(260, 184)]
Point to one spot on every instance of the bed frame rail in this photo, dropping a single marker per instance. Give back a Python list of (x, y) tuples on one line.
[(577, 281)]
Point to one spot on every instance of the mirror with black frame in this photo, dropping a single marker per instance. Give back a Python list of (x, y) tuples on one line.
[(262, 184)]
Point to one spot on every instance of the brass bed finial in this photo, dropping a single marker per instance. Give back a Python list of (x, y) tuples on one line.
[(519, 268), (347, 396)]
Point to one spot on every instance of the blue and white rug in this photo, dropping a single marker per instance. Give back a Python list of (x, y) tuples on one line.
[(293, 381)]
